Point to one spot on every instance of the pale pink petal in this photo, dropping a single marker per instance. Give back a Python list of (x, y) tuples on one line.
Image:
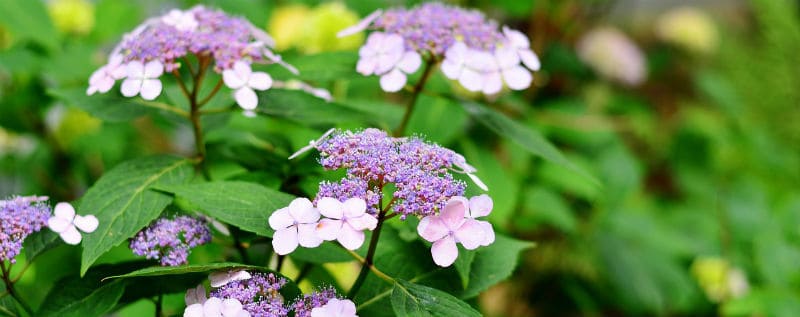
[(492, 83), (363, 222), (151, 88), (506, 57), (231, 307), (471, 234), (284, 241), (366, 65), (307, 235), (516, 38), (221, 278), (232, 80), (195, 295), (246, 98), (471, 80), (453, 214), (444, 251), (354, 207), (361, 25), (432, 229), (328, 229), (91, 90), (194, 310), (478, 182), (321, 312), (480, 206), (212, 307), (153, 69), (130, 87), (64, 211), (71, 235), (393, 81), (488, 233), (350, 238), (104, 84), (86, 223), (457, 52), (529, 59), (348, 308), (387, 61), (135, 69), (303, 210), (117, 71), (58, 224), (451, 69), (410, 62), (115, 60), (517, 78), (260, 81), (242, 70), (330, 207), (392, 43), (280, 219)]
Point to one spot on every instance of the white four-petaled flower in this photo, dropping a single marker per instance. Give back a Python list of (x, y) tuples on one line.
[(346, 221), (293, 225), (243, 80), (143, 79), (66, 223), (181, 20), (335, 308), (453, 225), (103, 79), (385, 55), (215, 307)]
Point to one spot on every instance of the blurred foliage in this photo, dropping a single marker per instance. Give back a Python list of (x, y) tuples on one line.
[(699, 167)]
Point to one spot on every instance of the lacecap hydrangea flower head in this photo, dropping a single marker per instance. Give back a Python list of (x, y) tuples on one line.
[(19, 217), (472, 49), (170, 240), (160, 45)]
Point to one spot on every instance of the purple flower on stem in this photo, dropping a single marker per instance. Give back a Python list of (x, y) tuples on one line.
[(242, 78), (19, 217), (259, 294), (170, 240), (293, 225), (346, 221), (472, 49), (456, 224), (304, 306)]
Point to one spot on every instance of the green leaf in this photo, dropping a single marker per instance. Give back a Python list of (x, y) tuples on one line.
[(439, 119), (242, 204), (304, 108), (110, 106), (326, 66), (8, 308), (493, 264), (409, 299), (29, 20), (39, 242), (528, 138), (184, 269), (463, 265), (124, 204), (87, 296)]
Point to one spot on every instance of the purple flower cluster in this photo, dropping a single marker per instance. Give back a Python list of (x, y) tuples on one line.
[(304, 305), (19, 217), (199, 31), (170, 240), (419, 171), (472, 48), (258, 295), (433, 27)]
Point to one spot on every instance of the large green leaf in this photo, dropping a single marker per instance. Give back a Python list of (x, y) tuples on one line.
[(29, 20), (304, 108), (8, 308), (327, 252), (528, 138), (87, 296), (409, 299), (111, 106), (493, 264), (124, 204), (39, 242), (242, 204), (323, 66)]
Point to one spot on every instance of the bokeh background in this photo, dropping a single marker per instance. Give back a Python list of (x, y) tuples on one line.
[(686, 113)]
